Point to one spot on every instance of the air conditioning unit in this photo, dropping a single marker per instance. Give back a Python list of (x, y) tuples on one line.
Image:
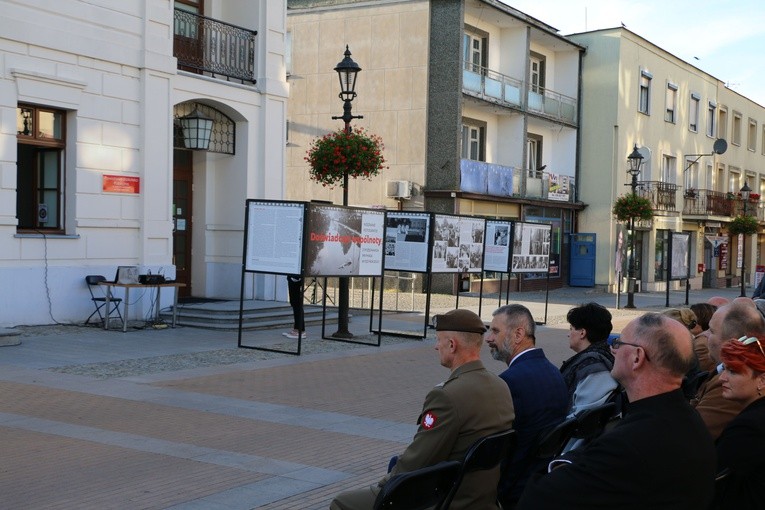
[(399, 189)]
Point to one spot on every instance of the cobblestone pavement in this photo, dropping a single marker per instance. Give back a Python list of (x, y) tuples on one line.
[(184, 419)]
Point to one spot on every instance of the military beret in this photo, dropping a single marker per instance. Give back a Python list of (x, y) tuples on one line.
[(459, 320)]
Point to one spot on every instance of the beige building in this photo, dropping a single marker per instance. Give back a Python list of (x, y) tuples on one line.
[(635, 93), (476, 102)]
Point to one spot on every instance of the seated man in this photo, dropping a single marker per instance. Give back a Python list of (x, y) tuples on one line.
[(659, 455), (471, 404), (540, 397)]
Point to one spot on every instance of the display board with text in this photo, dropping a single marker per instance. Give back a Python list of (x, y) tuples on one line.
[(274, 233), (407, 239), (680, 265), (496, 251), (457, 244), (531, 247)]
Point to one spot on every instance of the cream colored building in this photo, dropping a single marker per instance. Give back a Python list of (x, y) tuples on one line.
[(464, 94), (94, 168), (635, 93)]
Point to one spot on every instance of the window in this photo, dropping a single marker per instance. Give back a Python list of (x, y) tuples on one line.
[(671, 107), (537, 73), (734, 181), (288, 53), (662, 247), (762, 140), (711, 119), (534, 156), (691, 175), (40, 168), (722, 126), (751, 137), (473, 140), (710, 178), (644, 99), (720, 179), (668, 169), (474, 51), (693, 113), (736, 130)]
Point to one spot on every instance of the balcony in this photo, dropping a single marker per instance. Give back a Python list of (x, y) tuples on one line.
[(704, 202), (661, 194), (497, 88), (505, 181), (205, 46)]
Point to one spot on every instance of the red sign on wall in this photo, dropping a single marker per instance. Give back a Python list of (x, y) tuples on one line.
[(122, 184)]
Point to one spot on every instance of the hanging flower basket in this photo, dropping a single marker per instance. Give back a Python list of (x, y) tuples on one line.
[(741, 224), (632, 206), (358, 153)]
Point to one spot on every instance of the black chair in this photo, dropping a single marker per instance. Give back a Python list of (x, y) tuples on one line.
[(100, 301), (586, 426), (418, 489), (486, 453), (552, 443)]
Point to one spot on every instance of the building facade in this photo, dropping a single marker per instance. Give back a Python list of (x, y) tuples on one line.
[(96, 106), (476, 102), (637, 94)]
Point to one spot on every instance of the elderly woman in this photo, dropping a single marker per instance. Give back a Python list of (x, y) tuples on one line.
[(741, 447)]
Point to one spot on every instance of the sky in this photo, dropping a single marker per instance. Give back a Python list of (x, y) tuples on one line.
[(725, 38)]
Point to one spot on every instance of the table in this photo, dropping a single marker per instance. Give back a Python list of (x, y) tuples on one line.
[(128, 286)]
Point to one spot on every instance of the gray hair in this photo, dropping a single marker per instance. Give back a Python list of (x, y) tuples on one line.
[(518, 315)]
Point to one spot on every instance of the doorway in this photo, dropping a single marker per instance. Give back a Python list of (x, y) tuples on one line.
[(182, 217)]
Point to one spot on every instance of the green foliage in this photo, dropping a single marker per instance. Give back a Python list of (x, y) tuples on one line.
[(358, 153), (632, 206), (742, 224)]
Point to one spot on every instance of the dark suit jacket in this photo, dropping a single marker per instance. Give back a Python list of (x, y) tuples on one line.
[(540, 400), (741, 449), (659, 456)]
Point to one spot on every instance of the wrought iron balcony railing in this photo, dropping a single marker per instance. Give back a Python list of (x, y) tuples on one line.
[(705, 202), (661, 194), (206, 46)]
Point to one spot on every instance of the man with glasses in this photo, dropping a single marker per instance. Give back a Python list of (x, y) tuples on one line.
[(729, 322), (659, 455)]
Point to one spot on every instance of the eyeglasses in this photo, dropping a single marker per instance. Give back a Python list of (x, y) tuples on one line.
[(750, 340), (615, 343)]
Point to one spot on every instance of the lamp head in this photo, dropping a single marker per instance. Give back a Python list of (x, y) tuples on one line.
[(745, 190), (635, 160), (347, 70)]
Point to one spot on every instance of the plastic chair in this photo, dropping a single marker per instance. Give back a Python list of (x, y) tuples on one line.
[(418, 489), (486, 453), (100, 301)]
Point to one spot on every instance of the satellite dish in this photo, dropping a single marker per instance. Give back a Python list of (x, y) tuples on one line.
[(720, 146)]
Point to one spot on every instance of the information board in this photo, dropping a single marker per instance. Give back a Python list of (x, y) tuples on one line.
[(344, 241), (457, 244), (679, 256), (407, 237), (274, 236), (496, 251), (531, 247)]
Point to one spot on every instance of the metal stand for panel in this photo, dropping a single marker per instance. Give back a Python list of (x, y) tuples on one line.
[(346, 340)]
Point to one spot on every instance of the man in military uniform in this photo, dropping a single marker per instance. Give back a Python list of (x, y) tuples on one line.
[(471, 404)]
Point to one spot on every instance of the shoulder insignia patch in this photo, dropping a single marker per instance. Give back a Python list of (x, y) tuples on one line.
[(428, 420)]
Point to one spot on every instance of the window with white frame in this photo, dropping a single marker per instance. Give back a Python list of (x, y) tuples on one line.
[(735, 135), (693, 113), (474, 51), (709, 183), (534, 156), (644, 98), (40, 145), (751, 136), (734, 180), (537, 73), (722, 126), (473, 140), (669, 169), (711, 119), (720, 179), (691, 178), (671, 106)]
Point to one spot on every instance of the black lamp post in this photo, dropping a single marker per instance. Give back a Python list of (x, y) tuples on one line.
[(347, 70), (635, 161), (745, 190)]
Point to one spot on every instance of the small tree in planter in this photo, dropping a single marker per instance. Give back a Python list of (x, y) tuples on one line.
[(743, 224), (357, 153), (632, 206)]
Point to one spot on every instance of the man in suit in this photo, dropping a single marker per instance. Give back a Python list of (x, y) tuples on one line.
[(471, 404), (659, 456), (540, 395)]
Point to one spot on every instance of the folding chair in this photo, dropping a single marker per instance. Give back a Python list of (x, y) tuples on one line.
[(418, 489), (100, 301), (486, 453)]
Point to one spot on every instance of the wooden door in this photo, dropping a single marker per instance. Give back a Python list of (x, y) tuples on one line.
[(182, 217)]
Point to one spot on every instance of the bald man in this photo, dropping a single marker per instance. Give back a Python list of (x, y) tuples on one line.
[(472, 403), (729, 322), (659, 455)]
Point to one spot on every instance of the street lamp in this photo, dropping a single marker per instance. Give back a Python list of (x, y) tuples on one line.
[(635, 161), (347, 70), (745, 190)]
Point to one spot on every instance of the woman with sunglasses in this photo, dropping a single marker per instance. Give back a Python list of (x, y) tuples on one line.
[(741, 447)]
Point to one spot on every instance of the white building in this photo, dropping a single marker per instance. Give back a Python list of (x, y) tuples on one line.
[(93, 169)]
